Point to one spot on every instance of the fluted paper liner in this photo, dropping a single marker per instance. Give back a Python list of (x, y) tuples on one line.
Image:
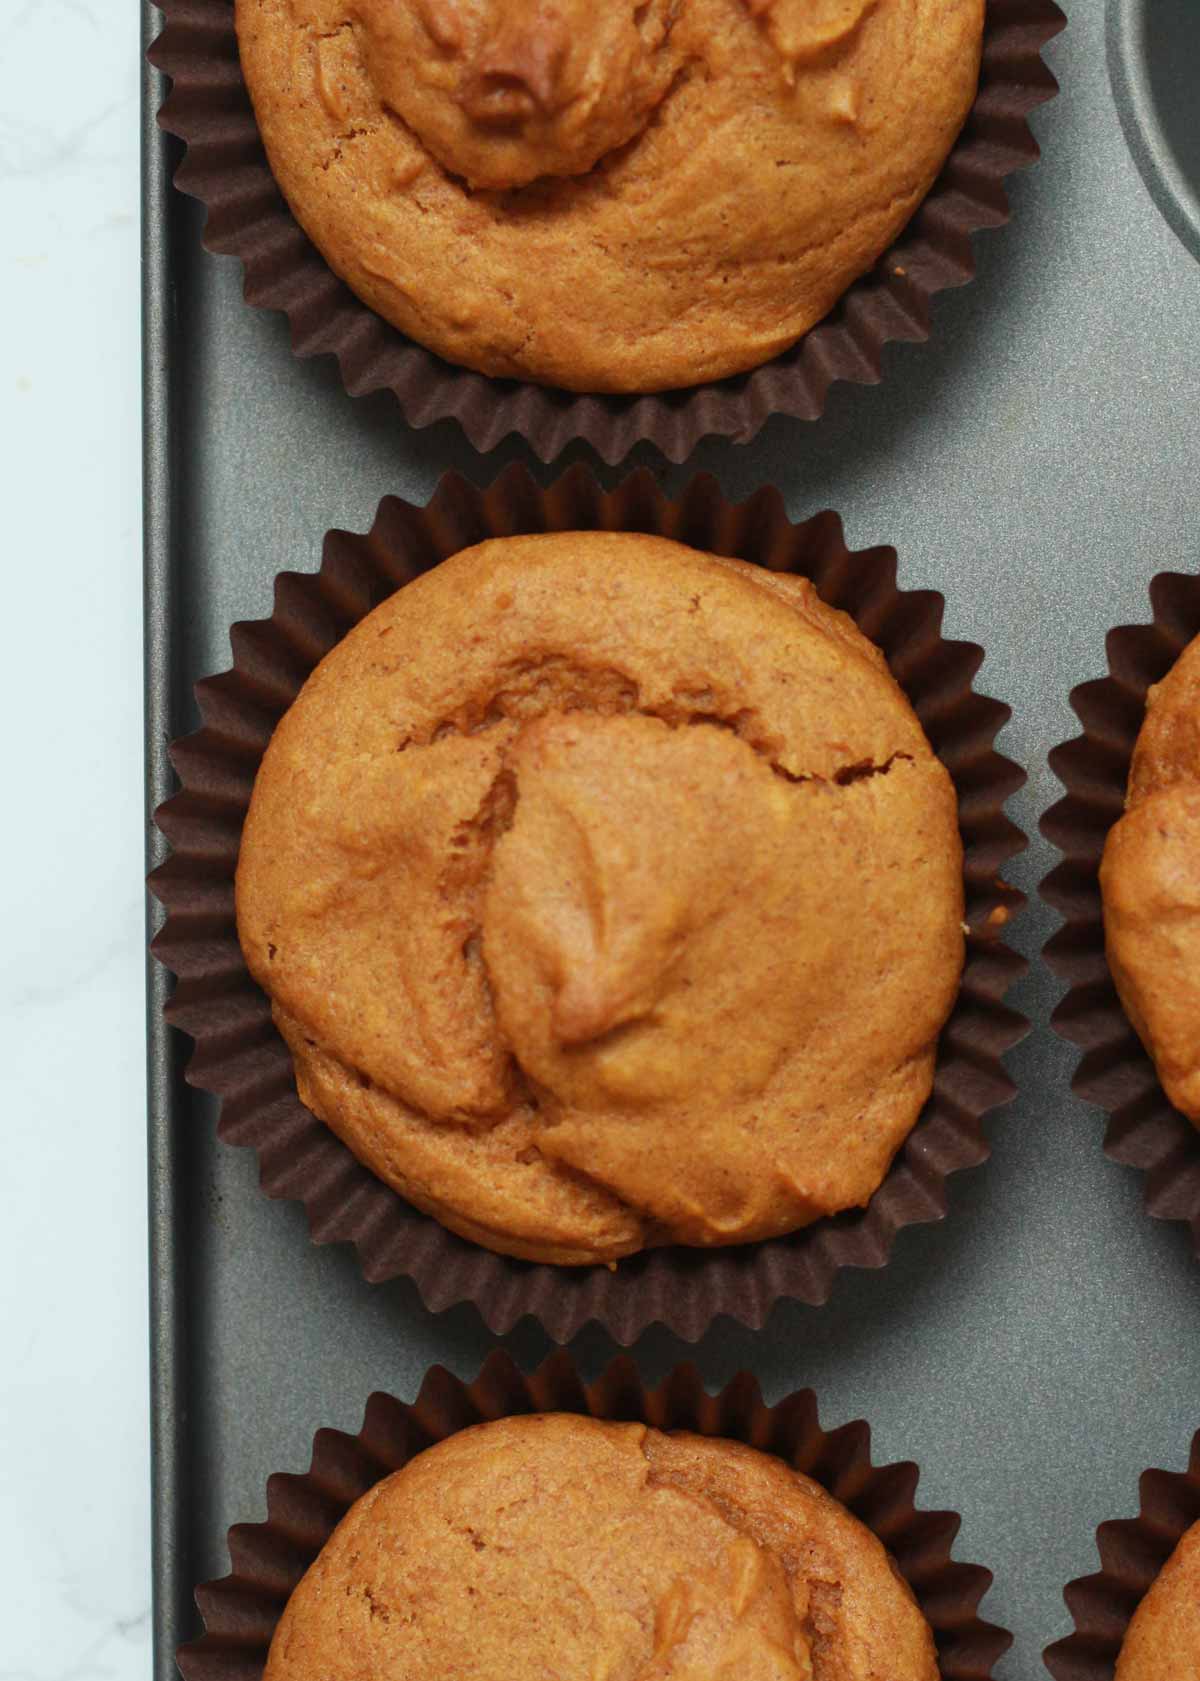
[(1132, 1553), (227, 170), (1115, 1072), (240, 1611), (241, 1057)]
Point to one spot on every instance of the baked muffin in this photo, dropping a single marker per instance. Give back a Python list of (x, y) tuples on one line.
[(621, 197), (1162, 1642), (561, 1547), (1150, 881), (607, 894)]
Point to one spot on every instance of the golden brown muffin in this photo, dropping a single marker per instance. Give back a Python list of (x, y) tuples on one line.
[(1163, 1639), (558, 1548), (618, 197), (607, 893), (1150, 879)]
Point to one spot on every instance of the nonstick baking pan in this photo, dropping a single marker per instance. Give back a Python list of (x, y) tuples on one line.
[(1038, 463)]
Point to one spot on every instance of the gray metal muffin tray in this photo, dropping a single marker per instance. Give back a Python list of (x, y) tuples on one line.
[(1038, 463)]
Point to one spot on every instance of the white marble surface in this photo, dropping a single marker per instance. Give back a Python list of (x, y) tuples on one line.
[(74, 1494)]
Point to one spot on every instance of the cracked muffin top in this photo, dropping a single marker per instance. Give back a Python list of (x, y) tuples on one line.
[(1162, 1642), (607, 894), (1150, 879), (630, 196), (560, 1547)]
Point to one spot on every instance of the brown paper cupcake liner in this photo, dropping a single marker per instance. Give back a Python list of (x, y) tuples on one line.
[(1115, 1072), (241, 1610), (241, 1058), (227, 170), (1132, 1553)]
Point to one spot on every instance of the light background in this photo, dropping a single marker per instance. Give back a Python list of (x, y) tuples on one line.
[(74, 1500)]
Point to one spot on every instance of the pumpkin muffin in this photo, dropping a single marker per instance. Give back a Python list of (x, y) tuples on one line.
[(561, 1547), (607, 894), (1162, 1642), (623, 197), (1150, 880)]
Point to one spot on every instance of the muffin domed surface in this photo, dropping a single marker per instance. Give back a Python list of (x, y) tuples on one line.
[(607, 894), (1150, 878), (626, 197), (562, 1547)]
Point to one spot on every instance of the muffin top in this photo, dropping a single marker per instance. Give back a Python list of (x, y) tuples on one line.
[(1163, 1639), (1150, 878), (618, 197), (607, 893), (562, 1548)]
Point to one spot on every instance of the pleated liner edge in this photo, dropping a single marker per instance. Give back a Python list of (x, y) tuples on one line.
[(1114, 1072), (240, 1057), (227, 170), (1132, 1553), (240, 1611)]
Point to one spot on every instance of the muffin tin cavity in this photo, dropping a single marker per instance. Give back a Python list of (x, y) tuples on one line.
[(1153, 53)]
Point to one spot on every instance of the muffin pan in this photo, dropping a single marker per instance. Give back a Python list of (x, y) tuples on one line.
[(1038, 464)]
